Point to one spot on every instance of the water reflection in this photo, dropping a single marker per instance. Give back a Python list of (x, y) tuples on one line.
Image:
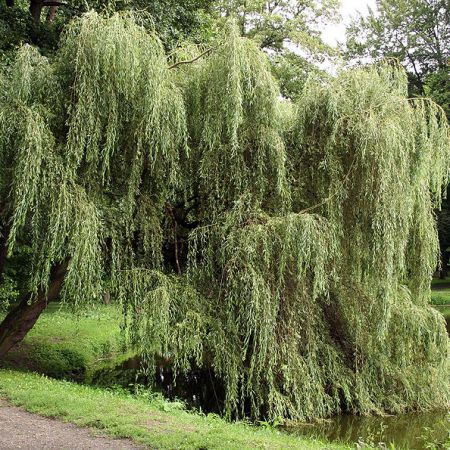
[(406, 431)]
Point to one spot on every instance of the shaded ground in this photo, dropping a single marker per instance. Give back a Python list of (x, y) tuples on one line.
[(22, 430), (64, 345), (438, 287)]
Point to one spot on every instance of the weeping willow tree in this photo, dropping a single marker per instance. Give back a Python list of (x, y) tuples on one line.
[(288, 248)]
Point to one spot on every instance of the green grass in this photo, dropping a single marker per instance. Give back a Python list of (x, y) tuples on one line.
[(63, 345), (148, 419), (440, 297)]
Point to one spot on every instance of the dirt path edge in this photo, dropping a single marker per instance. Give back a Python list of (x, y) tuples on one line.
[(20, 429)]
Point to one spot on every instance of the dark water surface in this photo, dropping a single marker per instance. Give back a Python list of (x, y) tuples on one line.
[(405, 431)]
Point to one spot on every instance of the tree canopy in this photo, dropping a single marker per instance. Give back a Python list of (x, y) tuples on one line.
[(289, 32), (233, 224), (416, 32)]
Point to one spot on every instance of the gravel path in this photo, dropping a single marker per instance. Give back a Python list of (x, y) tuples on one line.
[(22, 430)]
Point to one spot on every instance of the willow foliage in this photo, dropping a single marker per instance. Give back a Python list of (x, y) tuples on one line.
[(375, 164), (87, 164), (235, 125), (121, 90), (289, 248)]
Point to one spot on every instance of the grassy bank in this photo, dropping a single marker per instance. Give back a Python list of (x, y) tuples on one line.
[(440, 297), (440, 294), (63, 345), (148, 420)]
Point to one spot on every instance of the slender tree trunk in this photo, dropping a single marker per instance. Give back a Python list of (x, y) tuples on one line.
[(443, 272), (106, 298), (36, 9), (21, 319), (51, 14), (3, 249)]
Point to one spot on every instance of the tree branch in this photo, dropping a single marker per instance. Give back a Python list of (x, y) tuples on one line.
[(4, 234), (179, 63), (53, 3)]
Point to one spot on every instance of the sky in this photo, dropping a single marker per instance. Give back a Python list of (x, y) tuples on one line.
[(335, 33)]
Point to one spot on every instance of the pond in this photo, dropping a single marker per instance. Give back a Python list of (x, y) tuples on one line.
[(405, 431)]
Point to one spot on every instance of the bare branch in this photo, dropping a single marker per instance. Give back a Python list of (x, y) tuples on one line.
[(179, 63), (53, 3)]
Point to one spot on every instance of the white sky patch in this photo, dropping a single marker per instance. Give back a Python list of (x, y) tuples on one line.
[(334, 34)]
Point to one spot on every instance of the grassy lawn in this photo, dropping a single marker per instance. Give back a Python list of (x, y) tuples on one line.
[(440, 294), (149, 420), (63, 345), (440, 297)]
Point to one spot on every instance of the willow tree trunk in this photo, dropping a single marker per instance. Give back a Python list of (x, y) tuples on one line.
[(21, 319), (51, 13), (36, 9), (4, 233)]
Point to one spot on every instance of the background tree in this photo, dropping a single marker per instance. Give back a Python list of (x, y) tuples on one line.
[(289, 31), (443, 221), (437, 87), (416, 32), (174, 21)]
